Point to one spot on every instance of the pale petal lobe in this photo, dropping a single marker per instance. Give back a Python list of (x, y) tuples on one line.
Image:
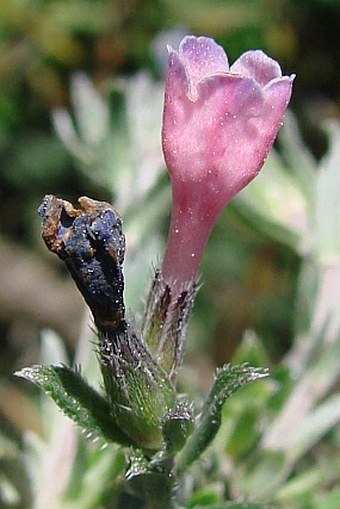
[(202, 57), (257, 65)]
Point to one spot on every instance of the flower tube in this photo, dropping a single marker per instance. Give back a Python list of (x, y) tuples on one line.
[(219, 123)]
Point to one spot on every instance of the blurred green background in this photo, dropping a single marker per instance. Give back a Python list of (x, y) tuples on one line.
[(70, 84)]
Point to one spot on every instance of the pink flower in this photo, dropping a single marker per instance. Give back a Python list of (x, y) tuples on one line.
[(219, 123)]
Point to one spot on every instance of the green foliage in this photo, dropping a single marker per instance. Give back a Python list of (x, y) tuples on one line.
[(228, 380), (77, 400)]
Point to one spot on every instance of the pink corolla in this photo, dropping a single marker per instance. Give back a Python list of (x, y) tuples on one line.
[(219, 123)]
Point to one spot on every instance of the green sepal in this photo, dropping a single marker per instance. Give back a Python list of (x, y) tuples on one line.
[(228, 380), (177, 426), (153, 481), (140, 391), (77, 400), (165, 322)]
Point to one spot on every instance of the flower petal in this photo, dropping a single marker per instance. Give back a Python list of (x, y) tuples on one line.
[(228, 131), (199, 135), (277, 96), (202, 57), (176, 102), (257, 65)]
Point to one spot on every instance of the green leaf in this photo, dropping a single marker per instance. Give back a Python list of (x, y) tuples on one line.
[(206, 496), (244, 434), (313, 385), (274, 206), (153, 481), (327, 208), (77, 400), (95, 477), (228, 380), (301, 486), (301, 163), (315, 426), (261, 475), (329, 500), (250, 350)]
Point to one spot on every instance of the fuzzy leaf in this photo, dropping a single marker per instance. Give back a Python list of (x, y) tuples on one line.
[(77, 400), (228, 380)]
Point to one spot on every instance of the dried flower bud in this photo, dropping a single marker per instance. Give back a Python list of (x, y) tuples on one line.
[(91, 243)]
